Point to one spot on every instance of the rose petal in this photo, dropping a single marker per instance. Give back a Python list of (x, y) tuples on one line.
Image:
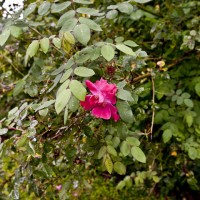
[(114, 113), (87, 104), (101, 111)]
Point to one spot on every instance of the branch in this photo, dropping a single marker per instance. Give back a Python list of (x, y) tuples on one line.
[(153, 108), (141, 77)]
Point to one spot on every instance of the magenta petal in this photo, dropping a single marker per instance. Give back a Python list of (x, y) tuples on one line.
[(114, 113), (102, 112), (86, 104), (92, 87)]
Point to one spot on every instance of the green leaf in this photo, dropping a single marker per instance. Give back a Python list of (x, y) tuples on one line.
[(43, 112), (88, 11), (15, 31), (63, 86), (45, 104), (115, 141), (138, 154), (66, 75), (109, 164), (120, 185), (56, 80), (44, 44), (142, 1), (107, 52), (30, 9), (62, 99), (33, 48), (82, 2), (192, 153), (83, 72), (127, 50), (90, 23), (124, 95), (69, 37), (82, 33), (4, 36), (120, 168), (188, 103), (78, 90), (167, 135), (3, 131), (112, 14), (197, 89), (57, 42), (44, 8), (130, 43), (102, 152), (125, 7), (19, 87), (111, 150), (69, 24), (125, 148), (65, 17), (66, 114), (73, 104), (125, 111), (189, 119), (133, 141), (58, 7)]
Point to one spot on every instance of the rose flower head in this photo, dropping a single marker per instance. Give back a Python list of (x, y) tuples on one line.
[(101, 100)]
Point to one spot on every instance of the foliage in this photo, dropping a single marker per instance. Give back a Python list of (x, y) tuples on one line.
[(51, 148)]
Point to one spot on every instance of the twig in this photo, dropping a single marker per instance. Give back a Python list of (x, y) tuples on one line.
[(153, 108), (141, 77)]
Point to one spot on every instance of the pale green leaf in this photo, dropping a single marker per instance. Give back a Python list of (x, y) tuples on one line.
[(78, 90), (192, 153), (69, 37), (66, 75), (62, 99), (82, 33), (57, 42), (125, 111), (189, 103), (142, 1), (89, 11), (124, 95), (65, 17), (15, 31), (109, 164), (58, 7), (82, 2), (111, 150), (69, 24), (167, 135), (115, 141), (33, 48), (19, 87), (66, 114), (102, 152), (120, 185), (3, 131), (90, 23), (44, 44), (30, 9), (63, 86), (133, 141), (125, 148), (4, 36), (127, 50), (130, 43), (45, 104), (120, 168), (44, 8), (83, 72), (107, 52), (125, 7), (138, 154), (73, 104), (112, 14)]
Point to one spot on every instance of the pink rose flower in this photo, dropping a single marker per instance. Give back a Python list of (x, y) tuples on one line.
[(58, 187), (102, 100)]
